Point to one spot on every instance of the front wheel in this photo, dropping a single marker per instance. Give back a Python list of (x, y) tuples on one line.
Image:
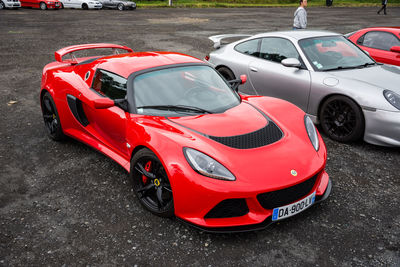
[(43, 6), (120, 7), (342, 119), (2, 6), (151, 183), (51, 118), (85, 7)]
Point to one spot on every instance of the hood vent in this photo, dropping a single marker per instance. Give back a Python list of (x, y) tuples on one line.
[(262, 137)]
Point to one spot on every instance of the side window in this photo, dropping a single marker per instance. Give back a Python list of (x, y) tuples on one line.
[(277, 49), (380, 40), (109, 84), (248, 47)]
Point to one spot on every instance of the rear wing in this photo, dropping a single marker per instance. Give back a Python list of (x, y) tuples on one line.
[(218, 38), (70, 49)]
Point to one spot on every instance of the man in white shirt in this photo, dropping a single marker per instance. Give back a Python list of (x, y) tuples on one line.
[(300, 16)]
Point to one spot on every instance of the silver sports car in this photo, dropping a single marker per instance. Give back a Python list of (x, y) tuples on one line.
[(323, 73)]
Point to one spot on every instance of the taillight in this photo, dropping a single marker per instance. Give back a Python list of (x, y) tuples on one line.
[(207, 57)]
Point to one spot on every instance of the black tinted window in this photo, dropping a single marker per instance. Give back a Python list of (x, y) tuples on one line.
[(248, 47), (277, 49), (109, 84), (380, 40)]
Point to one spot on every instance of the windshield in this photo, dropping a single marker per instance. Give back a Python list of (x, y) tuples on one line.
[(182, 91), (333, 53)]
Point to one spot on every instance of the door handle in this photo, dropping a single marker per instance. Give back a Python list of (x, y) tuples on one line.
[(253, 69)]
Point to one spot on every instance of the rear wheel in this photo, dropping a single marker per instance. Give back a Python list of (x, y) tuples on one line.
[(51, 118), (226, 73), (85, 6), (43, 6), (342, 119), (120, 7), (151, 183)]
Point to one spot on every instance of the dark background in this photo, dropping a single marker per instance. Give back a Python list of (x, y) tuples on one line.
[(64, 203)]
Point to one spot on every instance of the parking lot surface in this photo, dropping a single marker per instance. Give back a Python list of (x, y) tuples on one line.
[(64, 203)]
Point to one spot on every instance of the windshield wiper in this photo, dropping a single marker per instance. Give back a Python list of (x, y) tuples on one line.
[(178, 107), (352, 67)]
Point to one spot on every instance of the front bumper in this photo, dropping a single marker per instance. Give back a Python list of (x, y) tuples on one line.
[(257, 218), (11, 4), (382, 127), (95, 6)]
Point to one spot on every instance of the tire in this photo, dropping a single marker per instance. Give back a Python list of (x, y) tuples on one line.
[(120, 7), (62, 6), (342, 119), (42, 6), (226, 73), (51, 118), (2, 6), (154, 190), (85, 6)]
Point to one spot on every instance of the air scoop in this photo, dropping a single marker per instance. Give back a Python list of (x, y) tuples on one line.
[(232, 128)]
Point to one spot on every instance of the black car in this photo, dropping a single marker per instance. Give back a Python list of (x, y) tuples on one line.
[(118, 4)]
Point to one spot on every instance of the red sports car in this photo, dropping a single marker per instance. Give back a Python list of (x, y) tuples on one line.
[(193, 146), (48, 4), (382, 43)]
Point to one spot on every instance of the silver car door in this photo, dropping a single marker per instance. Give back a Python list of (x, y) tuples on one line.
[(270, 78)]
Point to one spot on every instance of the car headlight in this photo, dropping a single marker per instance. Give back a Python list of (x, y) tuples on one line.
[(392, 98), (312, 132), (206, 165)]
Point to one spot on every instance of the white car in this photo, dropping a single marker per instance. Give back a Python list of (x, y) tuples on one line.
[(84, 4), (9, 4)]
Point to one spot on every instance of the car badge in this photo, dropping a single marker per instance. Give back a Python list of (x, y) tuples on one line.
[(293, 172), (156, 182)]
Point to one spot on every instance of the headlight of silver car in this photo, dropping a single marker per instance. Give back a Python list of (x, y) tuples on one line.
[(206, 165), (392, 98), (312, 132)]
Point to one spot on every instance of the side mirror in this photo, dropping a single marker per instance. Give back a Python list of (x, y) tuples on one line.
[(291, 62), (243, 78), (103, 103), (395, 49)]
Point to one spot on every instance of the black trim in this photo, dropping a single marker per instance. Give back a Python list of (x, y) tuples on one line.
[(88, 61), (75, 105), (228, 208)]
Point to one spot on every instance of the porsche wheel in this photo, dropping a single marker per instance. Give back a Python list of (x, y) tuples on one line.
[(43, 6), (226, 73), (51, 118), (342, 119), (85, 7), (120, 7), (151, 183)]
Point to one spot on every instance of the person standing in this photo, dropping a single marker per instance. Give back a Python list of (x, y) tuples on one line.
[(384, 3), (300, 16)]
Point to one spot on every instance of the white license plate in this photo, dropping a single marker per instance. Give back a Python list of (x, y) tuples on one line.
[(294, 208)]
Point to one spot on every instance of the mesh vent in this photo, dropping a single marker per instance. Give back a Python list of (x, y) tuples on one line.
[(229, 208), (274, 199), (262, 137)]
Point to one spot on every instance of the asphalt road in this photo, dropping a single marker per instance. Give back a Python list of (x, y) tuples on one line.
[(64, 203)]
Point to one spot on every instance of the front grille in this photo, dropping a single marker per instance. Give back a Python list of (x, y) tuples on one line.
[(262, 137), (274, 199), (228, 208)]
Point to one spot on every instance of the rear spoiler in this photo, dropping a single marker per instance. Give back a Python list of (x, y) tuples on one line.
[(70, 49), (218, 38)]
